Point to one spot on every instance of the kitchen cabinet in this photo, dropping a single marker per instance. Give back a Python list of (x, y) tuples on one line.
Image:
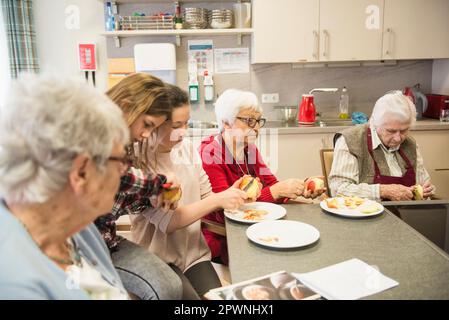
[(294, 155), (316, 30), (285, 31), (350, 30), (291, 31), (416, 29), (433, 147)]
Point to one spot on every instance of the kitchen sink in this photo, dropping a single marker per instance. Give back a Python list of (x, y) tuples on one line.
[(202, 124), (334, 123)]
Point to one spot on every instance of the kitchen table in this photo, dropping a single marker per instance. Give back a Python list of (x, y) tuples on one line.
[(399, 251)]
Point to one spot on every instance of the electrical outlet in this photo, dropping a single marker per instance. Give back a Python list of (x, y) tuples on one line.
[(270, 97)]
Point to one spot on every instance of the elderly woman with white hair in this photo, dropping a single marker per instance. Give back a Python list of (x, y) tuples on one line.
[(233, 154), (380, 160), (61, 157)]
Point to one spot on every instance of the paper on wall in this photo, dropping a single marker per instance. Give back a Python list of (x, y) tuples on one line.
[(232, 60), (201, 53)]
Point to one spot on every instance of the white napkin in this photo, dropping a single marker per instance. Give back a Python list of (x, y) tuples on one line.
[(348, 280)]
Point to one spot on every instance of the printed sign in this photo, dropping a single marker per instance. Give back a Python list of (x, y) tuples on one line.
[(87, 58)]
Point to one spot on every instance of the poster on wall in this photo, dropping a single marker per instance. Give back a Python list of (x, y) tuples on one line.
[(232, 60), (200, 56)]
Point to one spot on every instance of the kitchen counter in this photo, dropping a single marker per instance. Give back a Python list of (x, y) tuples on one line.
[(283, 128), (400, 252)]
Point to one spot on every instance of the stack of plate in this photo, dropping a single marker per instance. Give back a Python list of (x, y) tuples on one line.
[(220, 19), (195, 18)]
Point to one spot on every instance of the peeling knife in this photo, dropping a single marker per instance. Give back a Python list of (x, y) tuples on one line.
[(249, 184)]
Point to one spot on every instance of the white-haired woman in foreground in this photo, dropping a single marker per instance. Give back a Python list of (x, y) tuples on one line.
[(233, 154), (380, 160), (61, 157)]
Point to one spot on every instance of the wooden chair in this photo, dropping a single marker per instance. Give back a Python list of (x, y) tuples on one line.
[(326, 156), (123, 223), (214, 227)]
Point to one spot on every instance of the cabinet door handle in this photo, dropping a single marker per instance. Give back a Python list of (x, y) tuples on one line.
[(390, 34), (442, 169), (316, 44), (326, 40)]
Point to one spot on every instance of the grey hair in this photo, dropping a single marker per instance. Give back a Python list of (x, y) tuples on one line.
[(230, 102), (45, 123), (393, 105)]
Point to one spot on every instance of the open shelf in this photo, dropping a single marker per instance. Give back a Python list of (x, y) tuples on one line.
[(178, 33)]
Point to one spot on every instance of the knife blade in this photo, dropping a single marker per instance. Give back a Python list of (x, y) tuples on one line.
[(249, 185)]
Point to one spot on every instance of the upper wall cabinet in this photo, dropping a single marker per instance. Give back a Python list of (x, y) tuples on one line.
[(416, 29), (316, 30), (285, 31), (350, 30)]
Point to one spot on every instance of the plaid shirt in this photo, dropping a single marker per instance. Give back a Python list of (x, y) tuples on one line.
[(133, 197)]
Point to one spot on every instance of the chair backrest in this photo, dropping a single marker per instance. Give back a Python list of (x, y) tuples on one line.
[(326, 156)]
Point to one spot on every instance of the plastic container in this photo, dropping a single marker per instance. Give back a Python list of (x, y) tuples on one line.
[(343, 109), (158, 59), (208, 87), (194, 94)]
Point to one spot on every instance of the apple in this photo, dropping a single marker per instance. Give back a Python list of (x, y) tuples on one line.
[(171, 194), (253, 189), (315, 184), (418, 192)]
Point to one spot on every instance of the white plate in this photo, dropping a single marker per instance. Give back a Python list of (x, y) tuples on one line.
[(283, 234), (274, 212), (352, 213)]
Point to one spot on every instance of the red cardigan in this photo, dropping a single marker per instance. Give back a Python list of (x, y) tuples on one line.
[(223, 171)]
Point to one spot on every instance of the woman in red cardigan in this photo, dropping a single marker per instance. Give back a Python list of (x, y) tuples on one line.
[(232, 154)]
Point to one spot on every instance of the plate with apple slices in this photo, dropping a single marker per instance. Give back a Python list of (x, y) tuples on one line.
[(352, 207), (256, 212)]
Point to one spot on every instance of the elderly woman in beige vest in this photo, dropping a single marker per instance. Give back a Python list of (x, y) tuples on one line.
[(380, 160)]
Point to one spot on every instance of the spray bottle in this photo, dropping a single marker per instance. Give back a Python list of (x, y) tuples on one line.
[(194, 93), (208, 87)]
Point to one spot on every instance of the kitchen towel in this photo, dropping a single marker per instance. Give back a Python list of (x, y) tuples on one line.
[(349, 280), (359, 118)]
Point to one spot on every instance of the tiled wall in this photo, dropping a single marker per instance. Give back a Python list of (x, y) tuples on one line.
[(365, 84)]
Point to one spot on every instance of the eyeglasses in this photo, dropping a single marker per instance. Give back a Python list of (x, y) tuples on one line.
[(251, 122), (124, 163)]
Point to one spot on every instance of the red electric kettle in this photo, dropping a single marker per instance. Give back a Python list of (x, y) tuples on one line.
[(307, 109), (418, 98)]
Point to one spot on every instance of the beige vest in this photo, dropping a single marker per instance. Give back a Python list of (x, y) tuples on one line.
[(356, 139)]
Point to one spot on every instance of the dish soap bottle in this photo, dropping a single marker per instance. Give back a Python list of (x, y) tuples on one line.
[(193, 88), (208, 87), (343, 110)]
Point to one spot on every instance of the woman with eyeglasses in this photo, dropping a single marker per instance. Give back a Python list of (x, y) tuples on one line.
[(145, 103), (232, 154), (57, 175)]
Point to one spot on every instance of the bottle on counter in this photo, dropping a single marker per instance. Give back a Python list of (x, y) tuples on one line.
[(343, 109), (208, 87), (194, 93)]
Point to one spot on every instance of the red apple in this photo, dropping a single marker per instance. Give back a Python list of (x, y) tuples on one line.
[(171, 194), (315, 184)]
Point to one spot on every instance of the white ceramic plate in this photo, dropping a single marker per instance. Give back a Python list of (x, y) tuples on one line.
[(353, 213), (283, 234), (273, 212)]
